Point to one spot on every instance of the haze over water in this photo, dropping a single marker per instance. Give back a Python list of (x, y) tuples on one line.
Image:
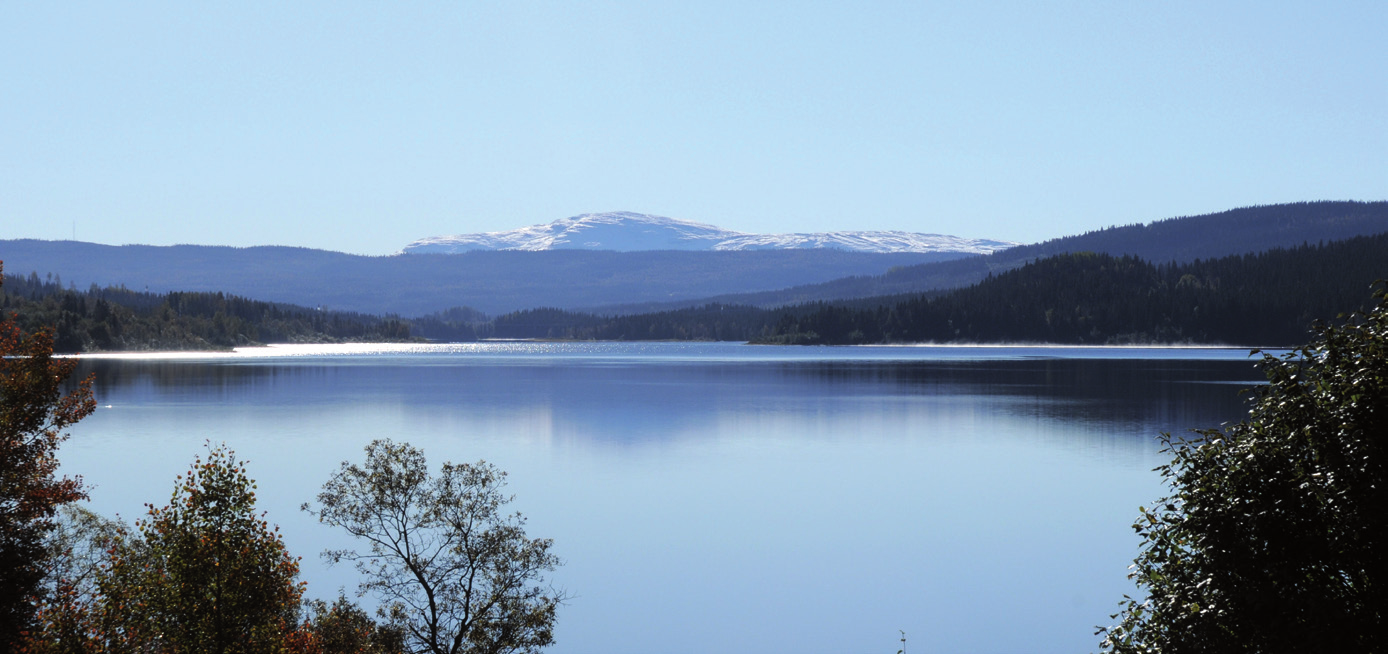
[(719, 497)]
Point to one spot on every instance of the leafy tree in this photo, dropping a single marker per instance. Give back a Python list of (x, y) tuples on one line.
[(343, 627), (69, 606), (205, 574), (458, 573), (78, 548), (34, 411), (1274, 537)]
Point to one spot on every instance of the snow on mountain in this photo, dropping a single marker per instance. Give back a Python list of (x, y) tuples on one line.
[(626, 232)]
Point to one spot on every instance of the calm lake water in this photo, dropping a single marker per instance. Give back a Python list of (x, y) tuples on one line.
[(720, 497)]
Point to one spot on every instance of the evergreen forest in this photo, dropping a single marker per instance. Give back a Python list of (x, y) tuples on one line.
[(1268, 299), (1265, 299), (119, 319)]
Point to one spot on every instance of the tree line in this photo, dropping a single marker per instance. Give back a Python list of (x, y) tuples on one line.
[(116, 318), (1266, 299), (454, 572), (1270, 541), (1269, 298), (1210, 236)]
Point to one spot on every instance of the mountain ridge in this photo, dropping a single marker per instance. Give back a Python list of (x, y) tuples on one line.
[(491, 281), (1179, 239), (626, 231), (496, 282)]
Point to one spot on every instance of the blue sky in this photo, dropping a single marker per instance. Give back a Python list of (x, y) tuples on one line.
[(360, 127)]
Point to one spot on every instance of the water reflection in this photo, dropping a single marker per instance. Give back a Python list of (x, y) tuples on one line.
[(724, 498), (629, 403)]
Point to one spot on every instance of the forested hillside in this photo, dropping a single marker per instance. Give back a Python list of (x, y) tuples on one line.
[(115, 318), (419, 284), (1265, 299), (638, 282), (1181, 240)]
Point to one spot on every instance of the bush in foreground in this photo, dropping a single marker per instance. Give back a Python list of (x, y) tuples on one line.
[(1273, 538)]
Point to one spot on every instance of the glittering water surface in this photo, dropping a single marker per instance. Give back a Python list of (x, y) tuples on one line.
[(719, 497)]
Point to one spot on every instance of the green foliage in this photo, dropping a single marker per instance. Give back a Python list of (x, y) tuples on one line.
[(1273, 539), (34, 411), (205, 574), (448, 564)]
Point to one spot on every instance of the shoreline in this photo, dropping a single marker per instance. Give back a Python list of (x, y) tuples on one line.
[(270, 350)]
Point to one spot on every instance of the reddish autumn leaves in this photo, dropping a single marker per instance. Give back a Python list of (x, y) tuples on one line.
[(205, 573), (34, 412)]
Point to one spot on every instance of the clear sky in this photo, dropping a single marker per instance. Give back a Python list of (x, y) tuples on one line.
[(360, 127)]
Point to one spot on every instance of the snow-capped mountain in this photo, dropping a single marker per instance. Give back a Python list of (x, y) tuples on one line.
[(625, 232)]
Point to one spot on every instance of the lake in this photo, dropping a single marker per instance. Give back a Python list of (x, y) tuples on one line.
[(719, 497)]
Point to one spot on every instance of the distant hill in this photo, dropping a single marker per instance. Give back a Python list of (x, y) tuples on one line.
[(1262, 299), (411, 285), (624, 231), (1268, 299), (502, 281), (1181, 240)]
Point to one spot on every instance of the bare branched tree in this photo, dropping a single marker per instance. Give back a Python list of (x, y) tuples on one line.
[(448, 565)]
